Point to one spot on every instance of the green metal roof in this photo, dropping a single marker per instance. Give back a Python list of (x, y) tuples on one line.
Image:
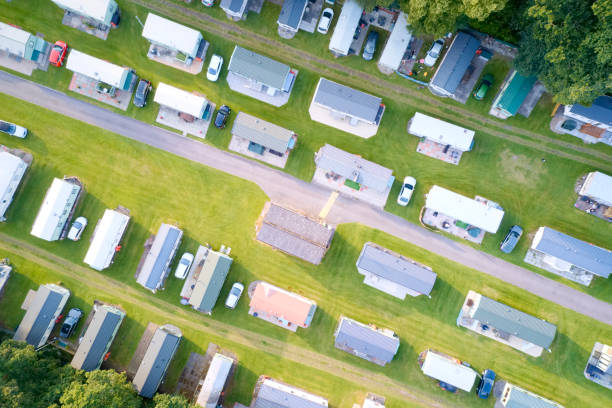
[(256, 67), (515, 93), (515, 322), (210, 281)]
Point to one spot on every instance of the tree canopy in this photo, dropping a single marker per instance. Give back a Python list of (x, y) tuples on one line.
[(171, 401), (101, 388), (568, 46)]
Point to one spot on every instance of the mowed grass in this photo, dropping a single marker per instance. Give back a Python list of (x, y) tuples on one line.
[(216, 208), (534, 188)]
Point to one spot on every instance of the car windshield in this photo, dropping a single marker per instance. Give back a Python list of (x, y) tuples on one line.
[(7, 127), (77, 225), (327, 14), (408, 186), (235, 291), (57, 48), (212, 71), (184, 261)]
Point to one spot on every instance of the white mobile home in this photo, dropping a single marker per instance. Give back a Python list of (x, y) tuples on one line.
[(598, 187), (100, 70), (441, 132), (168, 34), (449, 370), (396, 46), (21, 43), (12, 169), (214, 383), (103, 12), (106, 238), (179, 100), (342, 38), (56, 209)]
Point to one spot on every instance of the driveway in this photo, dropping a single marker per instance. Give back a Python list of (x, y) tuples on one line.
[(288, 190)]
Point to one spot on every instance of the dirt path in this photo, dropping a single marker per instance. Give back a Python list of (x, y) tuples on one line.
[(235, 32), (186, 318)]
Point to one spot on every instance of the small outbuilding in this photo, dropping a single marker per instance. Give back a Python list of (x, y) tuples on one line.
[(215, 381), (516, 397), (293, 233), (106, 238), (12, 170), (447, 369), (369, 342), (156, 360), (21, 44), (57, 209), (512, 95), (454, 64), (100, 70), (42, 307), (270, 393), (99, 335), (393, 273), (396, 46), (342, 37), (209, 280), (154, 267), (346, 108)]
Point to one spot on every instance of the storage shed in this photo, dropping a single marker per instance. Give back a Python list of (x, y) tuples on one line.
[(106, 239), (179, 100), (177, 37), (215, 380), (155, 266), (12, 170), (342, 37), (396, 46), (441, 132), (100, 70), (56, 209), (597, 186), (369, 342), (20, 43), (209, 281)]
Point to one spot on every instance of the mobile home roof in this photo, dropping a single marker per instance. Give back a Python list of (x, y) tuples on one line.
[(258, 68), (210, 281), (597, 186), (97, 69), (349, 101), (214, 382), (273, 394), (172, 35), (180, 100), (291, 13), (449, 371), (342, 37), (106, 237), (441, 132), (13, 39), (11, 168), (153, 271), (261, 132), (97, 9), (397, 44), (464, 209), (52, 215), (456, 61), (366, 340)]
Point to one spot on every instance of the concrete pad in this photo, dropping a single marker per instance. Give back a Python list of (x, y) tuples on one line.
[(445, 223), (168, 57), (367, 195), (85, 25), (438, 151), (310, 19), (325, 116), (87, 87), (170, 117), (241, 145), (23, 66)]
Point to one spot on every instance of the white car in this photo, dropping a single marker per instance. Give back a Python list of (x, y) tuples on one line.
[(77, 228), (13, 129), (234, 295), (214, 68), (325, 21), (405, 193), (182, 269), (208, 3), (434, 53)]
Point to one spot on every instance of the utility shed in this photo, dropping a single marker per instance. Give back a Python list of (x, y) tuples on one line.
[(210, 281), (260, 69), (455, 64), (98, 338), (441, 132), (263, 133), (294, 234), (157, 258), (102, 11), (341, 39), (467, 210), (396, 46), (106, 239), (393, 273), (100, 70), (291, 14), (449, 370), (12, 170), (274, 394), (512, 96), (215, 380), (168, 34), (156, 360), (516, 397), (20, 43), (56, 209), (597, 186), (368, 342), (567, 252), (42, 309), (180, 100)]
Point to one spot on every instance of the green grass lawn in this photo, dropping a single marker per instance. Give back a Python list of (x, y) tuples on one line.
[(158, 187)]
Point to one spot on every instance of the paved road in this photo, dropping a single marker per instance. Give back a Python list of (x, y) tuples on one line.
[(288, 190)]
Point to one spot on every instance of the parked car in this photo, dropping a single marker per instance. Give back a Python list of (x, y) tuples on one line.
[(511, 239), (325, 21), (483, 87), (58, 53), (405, 193), (214, 68), (208, 3), (485, 386), (182, 269), (332, 2), (142, 93), (77, 228), (222, 116), (370, 47), (13, 129), (434, 52), (234, 295), (71, 322)]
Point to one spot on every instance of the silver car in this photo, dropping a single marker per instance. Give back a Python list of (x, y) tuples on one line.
[(434, 52), (234, 295)]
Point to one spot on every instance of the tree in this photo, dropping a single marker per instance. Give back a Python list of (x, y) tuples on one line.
[(171, 401), (101, 388), (567, 45), (438, 17)]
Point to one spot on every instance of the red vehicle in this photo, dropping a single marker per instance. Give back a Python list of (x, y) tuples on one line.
[(58, 53)]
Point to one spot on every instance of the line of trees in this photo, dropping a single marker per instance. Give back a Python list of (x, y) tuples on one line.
[(44, 379)]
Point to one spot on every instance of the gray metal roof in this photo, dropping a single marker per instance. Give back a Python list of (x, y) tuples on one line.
[(256, 67), (44, 305), (261, 132), (347, 100), (355, 168), (232, 5), (515, 322), (395, 268), (579, 253), (210, 281), (520, 398), (277, 397), (600, 110), (98, 338), (291, 13), (154, 269), (456, 62), (156, 360), (366, 340)]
